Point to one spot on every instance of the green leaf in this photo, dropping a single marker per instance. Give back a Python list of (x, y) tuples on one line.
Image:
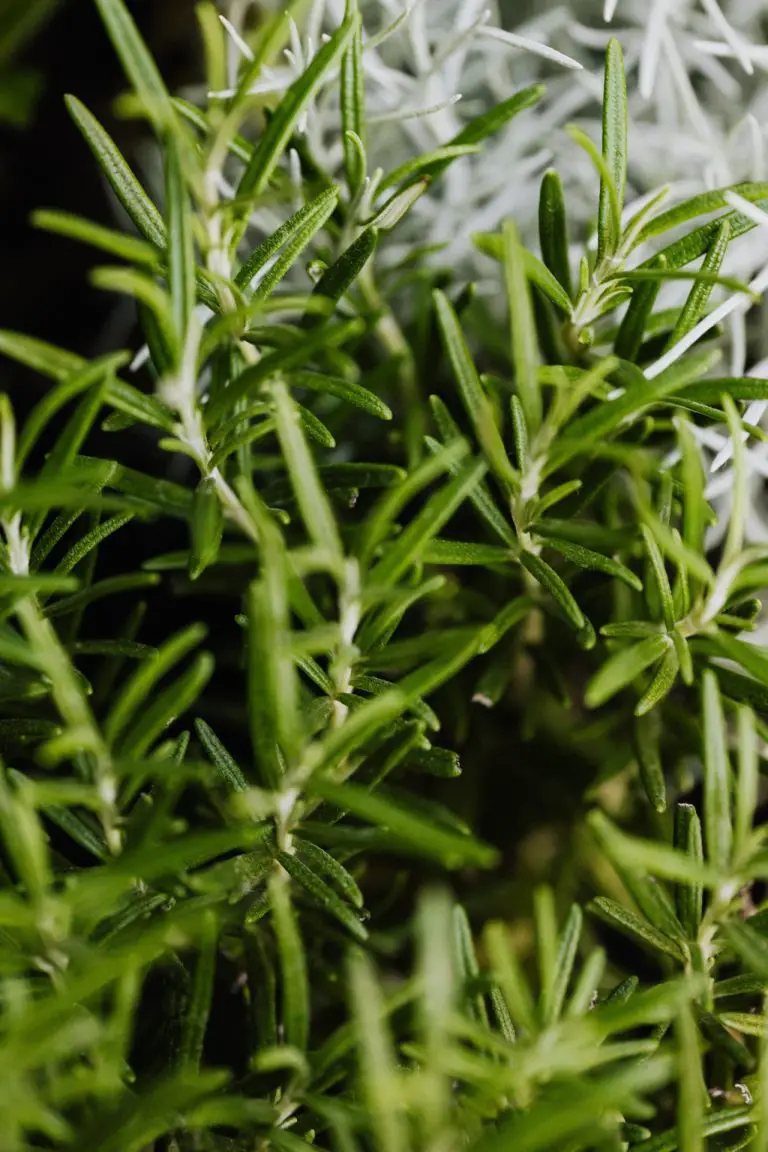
[(661, 579), (137, 62), (226, 766), (745, 985), (555, 495), (353, 103), (587, 984), (574, 1119), (750, 946), (492, 120), (667, 540), (702, 205), (471, 391), (16, 586), (181, 250), (721, 1038), (631, 629), (323, 895), (271, 674), (698, 298), (692, 476), (760, 1114), (614, 152), (142, 212), (152, 494), (481, 496), (633, 326), (293, 236), (748, 778), (344, 478), (341, 275), (640, 856), (91, 540), (609, 221), (623, 667), (293, 965), (594, 561), (460, 552), (378, 1070), (119, 244), (553, 997), (282, 123), (509, 975), (168, 706), (138, 687), (144, 1119), (535, 270), (520, 433), (326, 865), (71, 384), (734, 540), (523, 330), (553, 230), (207, 527), (692, 1092), (549, 579), (408, 547), (25, 841), (604, 419), (647, 735), (276, 363), (315, 509), (101, 590), (634, 926), (418, 166), (346, 390), (662, 683), (545, 920), (377, 629), (717, 775), (201, 994), (752, 658), (415, 833), (375, 685), (660, 272), (81, 832)]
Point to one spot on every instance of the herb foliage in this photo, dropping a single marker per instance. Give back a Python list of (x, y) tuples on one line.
[(397, 512)]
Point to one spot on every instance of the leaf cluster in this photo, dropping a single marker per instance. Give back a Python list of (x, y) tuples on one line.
[(404, 505)]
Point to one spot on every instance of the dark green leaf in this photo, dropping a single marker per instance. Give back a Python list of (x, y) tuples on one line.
[(553, 230), (293, 964), (412, 830), (323, 895), (549, 579), (623, 667), (295, 233), (142, 212), (282, 123), (717, 775), (634, 926)]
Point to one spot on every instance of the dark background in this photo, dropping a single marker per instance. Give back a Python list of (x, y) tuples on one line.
[(44, 286)]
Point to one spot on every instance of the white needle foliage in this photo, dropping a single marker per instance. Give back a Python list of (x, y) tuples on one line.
[(698, 105)]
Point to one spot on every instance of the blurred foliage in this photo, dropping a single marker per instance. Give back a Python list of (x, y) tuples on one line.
[(20, 86)]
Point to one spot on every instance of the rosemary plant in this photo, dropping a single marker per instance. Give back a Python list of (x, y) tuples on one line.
[(418, 530)]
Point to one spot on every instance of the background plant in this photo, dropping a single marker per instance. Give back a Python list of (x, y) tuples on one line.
[(210, 938)]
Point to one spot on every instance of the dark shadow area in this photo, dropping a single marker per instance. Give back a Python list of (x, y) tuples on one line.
[(44, 288)]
